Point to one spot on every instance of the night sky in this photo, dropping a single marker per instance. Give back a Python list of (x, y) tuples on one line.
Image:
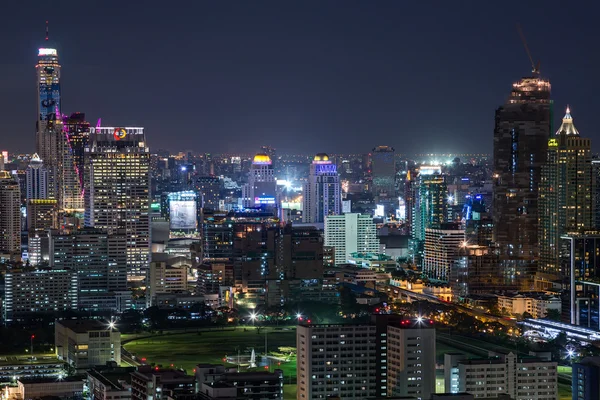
[(302, 76)]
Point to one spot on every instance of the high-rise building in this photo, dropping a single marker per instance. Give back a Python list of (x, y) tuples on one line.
[(100, 260), (566, 195), (322, 193), (586, 379), (30, 293), (389, 356), (37, 179), (580, 266), (48, 125), (42, 215), (209, 191), (430, 195), (442, 247), (76, 134), (383, 170), (261, 187), (521, 134), (10, 216), (350, 233), (523, 378), (337, 360), (411, 358), (117, 190)]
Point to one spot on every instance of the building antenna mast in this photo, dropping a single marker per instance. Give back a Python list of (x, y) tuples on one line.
[(46, 31), (534, 68)]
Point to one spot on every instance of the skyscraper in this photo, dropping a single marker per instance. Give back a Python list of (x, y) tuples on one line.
[(10, 216), (429, 200), (566, 195), (48, 125), (261, 187), (322, 192), (350, 233), (76, 134), (209, 191), (117, 189), (37, 179), (383, 169), (521, 134)]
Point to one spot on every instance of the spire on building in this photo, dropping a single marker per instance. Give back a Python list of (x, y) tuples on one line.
[(567, 127)]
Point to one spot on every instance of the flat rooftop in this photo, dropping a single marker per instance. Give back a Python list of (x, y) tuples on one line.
[(75, 378), (84, 325)]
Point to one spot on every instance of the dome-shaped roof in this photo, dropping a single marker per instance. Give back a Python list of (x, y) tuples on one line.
[(321, 157), (261, 158)]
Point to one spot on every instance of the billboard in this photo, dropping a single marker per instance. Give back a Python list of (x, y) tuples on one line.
[(182, 214), (264, 200), (49, 101)]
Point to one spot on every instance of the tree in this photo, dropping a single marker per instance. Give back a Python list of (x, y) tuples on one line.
[(527, 315)]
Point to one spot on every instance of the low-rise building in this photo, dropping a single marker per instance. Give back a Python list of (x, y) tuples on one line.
[(13, 368), (536, 304), (87, 343), (375, 261), (155, 383), (244, 385), (70, 387), (112, 383)]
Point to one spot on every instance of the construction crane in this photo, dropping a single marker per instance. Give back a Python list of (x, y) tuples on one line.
[(535, 69)]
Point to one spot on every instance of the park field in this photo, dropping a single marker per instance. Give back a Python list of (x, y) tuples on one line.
[(186, 350)]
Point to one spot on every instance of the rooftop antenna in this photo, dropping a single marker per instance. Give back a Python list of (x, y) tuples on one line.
[(535, 69), (46, 31)]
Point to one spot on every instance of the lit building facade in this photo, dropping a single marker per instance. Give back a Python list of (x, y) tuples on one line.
[(209, 191), (566, 195), (48, 125), (383, 170), (442, 248), (521, 134), (100, 260), (350, 233), (28, 293), (36, 176), (261, 187), (117, 190), (322, 193), (430, 195), (10, 212), (76, 134)]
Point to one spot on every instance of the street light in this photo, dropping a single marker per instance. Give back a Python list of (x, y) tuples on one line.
[(253, 316), (111, 325), (299, 316)]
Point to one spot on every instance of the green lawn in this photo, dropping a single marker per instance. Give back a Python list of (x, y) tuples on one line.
[(188, 349), (564, 392)]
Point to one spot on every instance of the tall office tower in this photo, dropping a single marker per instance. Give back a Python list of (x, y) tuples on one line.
[(261, 187), (430, 196), (580, 263), (350, 233), (411, 358), (217, 236), (521, 134), (100, 260), (76, 134), (2, 161), (337, 360), (383, 170), (566, 196), (37, 179), (10, 216), (442, 247), (596, 194), (48, 125), (322, 193), (209, 191), (42, 215), (117, 190)]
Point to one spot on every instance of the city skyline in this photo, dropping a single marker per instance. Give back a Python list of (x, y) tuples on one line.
[(322, 98)]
